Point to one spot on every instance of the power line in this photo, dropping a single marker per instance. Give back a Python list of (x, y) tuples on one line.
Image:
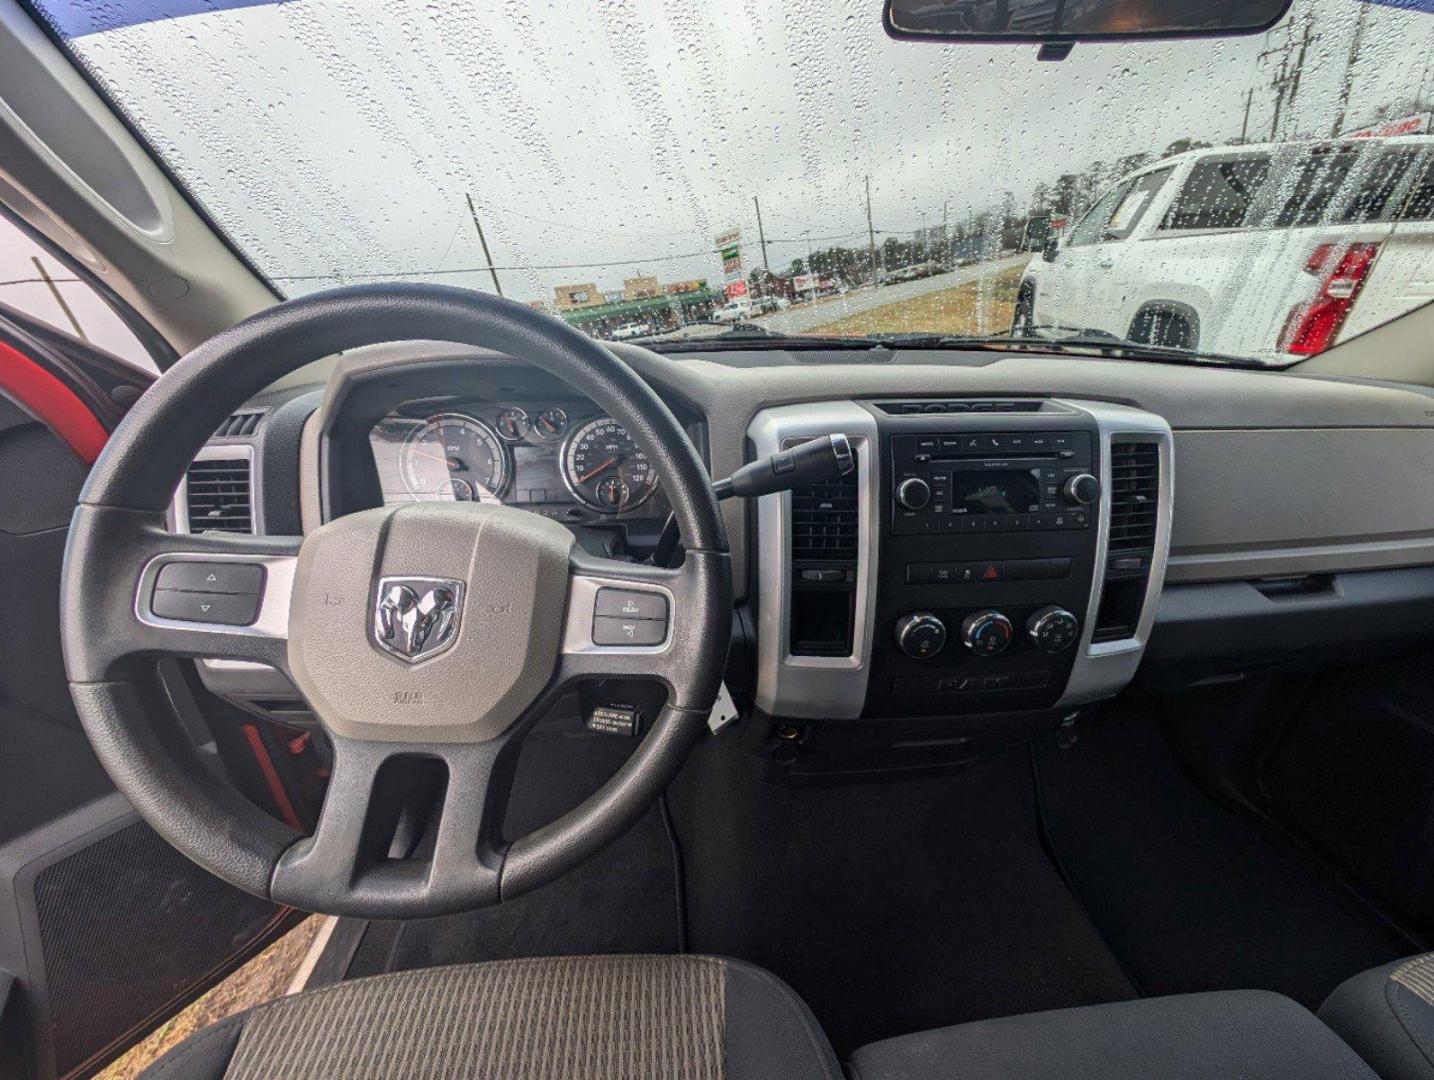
[(600, 263)]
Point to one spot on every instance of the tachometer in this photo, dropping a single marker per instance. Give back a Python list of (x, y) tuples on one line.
[(604, 468), (454, 457)]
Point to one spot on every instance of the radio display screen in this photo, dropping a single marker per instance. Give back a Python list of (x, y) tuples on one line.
[(996, 491)]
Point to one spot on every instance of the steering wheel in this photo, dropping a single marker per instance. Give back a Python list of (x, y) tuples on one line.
[(433, 630)]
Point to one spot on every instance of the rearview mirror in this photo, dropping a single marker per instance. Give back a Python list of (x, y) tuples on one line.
[(1052, 248), (1076, 20)]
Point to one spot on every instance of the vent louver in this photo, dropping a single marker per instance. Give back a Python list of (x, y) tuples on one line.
[(240, 424), (824, 521), (1134, 495), (218, 496)]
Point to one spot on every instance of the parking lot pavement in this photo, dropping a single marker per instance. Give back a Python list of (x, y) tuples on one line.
[(805, 317)]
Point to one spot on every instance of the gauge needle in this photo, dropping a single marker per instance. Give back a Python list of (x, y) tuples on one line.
[(453, 463), (609, 463)]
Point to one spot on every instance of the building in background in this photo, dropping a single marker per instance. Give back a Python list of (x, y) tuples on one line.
[(574, 297), (640, 288), (656, 307)]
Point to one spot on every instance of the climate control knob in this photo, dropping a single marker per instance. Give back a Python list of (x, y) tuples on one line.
[(987, 633), (920, 635), (1052, 629), (1081, 489), (913, 493)]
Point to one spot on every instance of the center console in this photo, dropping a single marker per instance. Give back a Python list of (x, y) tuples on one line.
[(988, 556), (984, 582)]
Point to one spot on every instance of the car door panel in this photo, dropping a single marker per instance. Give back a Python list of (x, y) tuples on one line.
[(104, 929)]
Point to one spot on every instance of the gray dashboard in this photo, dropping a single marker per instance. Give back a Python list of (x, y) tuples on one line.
[(1280, 474)]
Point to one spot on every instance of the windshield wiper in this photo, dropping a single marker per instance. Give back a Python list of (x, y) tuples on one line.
[(1108, 344)]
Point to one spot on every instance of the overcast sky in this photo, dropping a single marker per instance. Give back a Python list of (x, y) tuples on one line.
[(343, 135)]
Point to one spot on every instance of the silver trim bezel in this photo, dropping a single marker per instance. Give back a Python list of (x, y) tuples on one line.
[(814, 686), (273, 618), (215, 452), (1102, 669), (582, 604)]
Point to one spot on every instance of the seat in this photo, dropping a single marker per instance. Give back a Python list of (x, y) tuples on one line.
[(568, 1018), (1387, 1014), (1216, 1036)]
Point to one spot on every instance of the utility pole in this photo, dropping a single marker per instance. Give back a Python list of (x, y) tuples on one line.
[(811, 270), (1245, 123), (1344, 91), (473, 210), (761, 236), (1286, 81), (945, 236), (871, 238)]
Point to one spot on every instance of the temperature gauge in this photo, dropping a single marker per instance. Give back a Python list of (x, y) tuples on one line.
[(552, 423), (513, 424)]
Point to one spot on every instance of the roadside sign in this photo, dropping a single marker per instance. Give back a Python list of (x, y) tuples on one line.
[(1414, 124)]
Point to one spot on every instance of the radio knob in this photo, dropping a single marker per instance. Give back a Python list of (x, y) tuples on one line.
[(920, 635), (987, 633), (1052, 628), (913, 493), (1081, 489)]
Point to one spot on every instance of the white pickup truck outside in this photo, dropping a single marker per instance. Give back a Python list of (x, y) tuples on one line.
[(1272, 252)]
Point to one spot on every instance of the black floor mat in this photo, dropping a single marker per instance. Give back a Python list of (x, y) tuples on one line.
[(1189, 895), (889, 907), (624, 900)]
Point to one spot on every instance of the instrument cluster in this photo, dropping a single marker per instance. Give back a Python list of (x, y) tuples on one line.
[(564, 459)]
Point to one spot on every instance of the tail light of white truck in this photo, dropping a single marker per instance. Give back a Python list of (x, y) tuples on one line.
[(1313, 325)]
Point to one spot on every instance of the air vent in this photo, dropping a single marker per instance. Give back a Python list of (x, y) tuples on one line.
[(1134, 510), (1134, 496), (240, 424), (824, 521), (218, 494)]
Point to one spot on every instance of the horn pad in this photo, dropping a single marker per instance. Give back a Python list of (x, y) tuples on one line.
[(428, 622)]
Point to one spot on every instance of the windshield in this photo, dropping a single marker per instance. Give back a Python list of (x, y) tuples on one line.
[(764, 169)]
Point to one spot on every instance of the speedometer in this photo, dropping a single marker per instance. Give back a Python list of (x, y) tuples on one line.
[(454, 457), (604, 468)]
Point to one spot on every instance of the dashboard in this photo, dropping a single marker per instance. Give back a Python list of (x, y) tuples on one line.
[(1022, 536)]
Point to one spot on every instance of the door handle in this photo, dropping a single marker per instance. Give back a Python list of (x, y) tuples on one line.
[(1105, 263)]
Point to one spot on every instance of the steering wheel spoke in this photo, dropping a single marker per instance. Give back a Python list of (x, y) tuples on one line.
[(212, 595), (634, 621), (403, 829)]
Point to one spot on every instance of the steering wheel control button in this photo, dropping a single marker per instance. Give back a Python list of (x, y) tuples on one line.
[(609, 630), (987, 633), (631, 604), (920, 635), (227, 609), (1052, 629), (242, 579)]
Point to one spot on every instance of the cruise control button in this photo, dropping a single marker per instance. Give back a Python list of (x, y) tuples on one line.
[(244, 579), (630, 604), (227, 609), (608, 630)]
